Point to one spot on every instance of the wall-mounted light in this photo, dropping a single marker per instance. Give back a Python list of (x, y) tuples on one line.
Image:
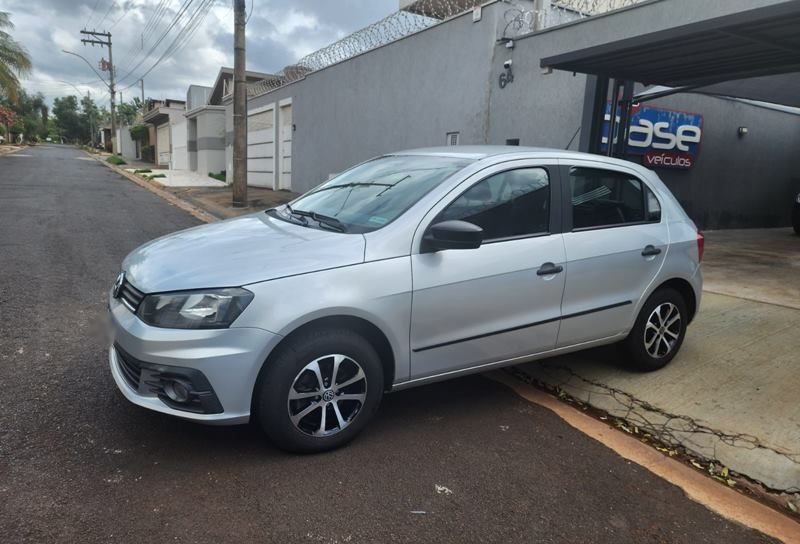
[(742, 132)]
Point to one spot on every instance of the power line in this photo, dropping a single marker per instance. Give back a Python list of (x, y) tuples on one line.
[(91, 14), (113, 3), (183, 9), (152, 23), (150, 31), (183, 37)]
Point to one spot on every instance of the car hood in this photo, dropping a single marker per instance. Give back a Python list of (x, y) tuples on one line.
[(236, 252)]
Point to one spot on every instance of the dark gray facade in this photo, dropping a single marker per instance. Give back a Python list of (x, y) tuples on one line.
[(413, 92)]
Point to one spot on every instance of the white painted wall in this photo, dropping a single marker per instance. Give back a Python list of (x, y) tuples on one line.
[(163, 145), (125, 144), (180, 156)]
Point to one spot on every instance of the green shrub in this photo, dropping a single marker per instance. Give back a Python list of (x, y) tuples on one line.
[(115, 160), (140, 133), (221, 176), (157, 176), (142, 171)]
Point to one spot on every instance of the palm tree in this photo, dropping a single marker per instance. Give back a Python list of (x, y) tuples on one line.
[(14, 60)]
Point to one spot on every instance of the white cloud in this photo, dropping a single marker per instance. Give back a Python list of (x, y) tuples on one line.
[(280, 32)]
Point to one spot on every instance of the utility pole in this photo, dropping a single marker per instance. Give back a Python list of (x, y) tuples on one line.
[(91, 118), (96, 38), (239, 107), (141, 83)]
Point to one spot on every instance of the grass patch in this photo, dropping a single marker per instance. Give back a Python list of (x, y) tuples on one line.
[(220, 176), (116, 161), (142, 171), (157, 176)]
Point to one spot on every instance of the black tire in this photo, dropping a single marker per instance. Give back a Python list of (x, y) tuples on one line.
[(278, 376), (635, 346)]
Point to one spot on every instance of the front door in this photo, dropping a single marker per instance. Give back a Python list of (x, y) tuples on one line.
[(502, 300), (615, 241)]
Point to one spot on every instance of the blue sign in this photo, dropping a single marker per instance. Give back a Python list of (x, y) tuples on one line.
[(663, 138)]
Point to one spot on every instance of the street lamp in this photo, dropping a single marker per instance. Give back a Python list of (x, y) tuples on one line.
[(107, 84)]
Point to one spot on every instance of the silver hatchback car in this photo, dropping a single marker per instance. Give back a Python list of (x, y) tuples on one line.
[(406, 269)]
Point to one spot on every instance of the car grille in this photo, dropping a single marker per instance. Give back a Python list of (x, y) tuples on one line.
[(129, 367), (130, 296)]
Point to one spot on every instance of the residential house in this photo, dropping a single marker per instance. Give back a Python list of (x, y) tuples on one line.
[(169, 136)]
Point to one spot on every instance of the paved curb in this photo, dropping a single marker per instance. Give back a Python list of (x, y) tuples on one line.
[(196, 211), (697, 486), (3, 151)]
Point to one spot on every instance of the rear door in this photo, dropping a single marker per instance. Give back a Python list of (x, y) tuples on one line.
[(476, 306), (615, 242)]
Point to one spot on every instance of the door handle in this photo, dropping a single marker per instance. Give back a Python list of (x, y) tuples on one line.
[(651, 251), (548, 269)]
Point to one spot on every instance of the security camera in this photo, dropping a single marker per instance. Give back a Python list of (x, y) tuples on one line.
[(507, 64)]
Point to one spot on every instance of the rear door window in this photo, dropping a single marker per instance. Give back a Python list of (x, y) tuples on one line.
[(606, 198)]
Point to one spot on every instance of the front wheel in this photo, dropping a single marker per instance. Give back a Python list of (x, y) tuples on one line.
[(658, 332), (319, 390)]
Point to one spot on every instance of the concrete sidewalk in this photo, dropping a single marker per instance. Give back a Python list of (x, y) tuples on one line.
[(730, 395), (757, 264), (178, 178)]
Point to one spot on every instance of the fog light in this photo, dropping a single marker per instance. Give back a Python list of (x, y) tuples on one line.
[(177, 391)]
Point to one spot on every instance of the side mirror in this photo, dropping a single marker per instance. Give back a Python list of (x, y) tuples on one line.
[(452, 235)]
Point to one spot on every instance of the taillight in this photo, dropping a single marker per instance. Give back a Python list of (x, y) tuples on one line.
[(701, 245)]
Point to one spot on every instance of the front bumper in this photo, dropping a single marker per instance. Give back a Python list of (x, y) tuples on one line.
[(228, 359)]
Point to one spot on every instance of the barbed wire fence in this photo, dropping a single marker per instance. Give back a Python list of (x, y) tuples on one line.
[(524, 18), (419, 16), (521, 18)]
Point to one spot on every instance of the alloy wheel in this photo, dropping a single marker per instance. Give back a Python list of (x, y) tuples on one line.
[(327, 395), (663, 330)]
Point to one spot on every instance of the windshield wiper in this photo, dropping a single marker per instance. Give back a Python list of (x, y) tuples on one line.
[(295, 218), (325, 220)]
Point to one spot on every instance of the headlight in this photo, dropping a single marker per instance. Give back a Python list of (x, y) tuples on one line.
[(207, 309)]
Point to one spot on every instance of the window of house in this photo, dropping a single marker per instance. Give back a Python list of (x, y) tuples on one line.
[(506, 205), (603, 198)]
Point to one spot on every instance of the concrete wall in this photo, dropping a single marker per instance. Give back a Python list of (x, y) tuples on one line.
[(414, 91), (210, 141), (408, 94), (126, 146), (191, 142), (179, 159), (197, 96)]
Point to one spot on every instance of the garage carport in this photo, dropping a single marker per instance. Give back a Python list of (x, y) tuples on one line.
[(753, 54)]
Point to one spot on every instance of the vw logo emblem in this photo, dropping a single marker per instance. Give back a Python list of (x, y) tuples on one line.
[(118, 285), (328, 395)]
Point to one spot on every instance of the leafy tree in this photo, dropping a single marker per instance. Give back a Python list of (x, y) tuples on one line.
[(32, 112), (7, 119), (14, 60), (127, 112), (90, 116), (68, 120)]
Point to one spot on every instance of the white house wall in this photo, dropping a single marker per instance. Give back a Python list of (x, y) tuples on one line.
[(180, 157)]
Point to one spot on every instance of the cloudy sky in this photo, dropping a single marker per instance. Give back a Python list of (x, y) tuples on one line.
[(279, 32)]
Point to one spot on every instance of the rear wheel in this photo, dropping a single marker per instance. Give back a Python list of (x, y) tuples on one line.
[(658, 332), (319, 390)]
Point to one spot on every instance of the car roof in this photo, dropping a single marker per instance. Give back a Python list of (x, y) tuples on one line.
[(479, 152)]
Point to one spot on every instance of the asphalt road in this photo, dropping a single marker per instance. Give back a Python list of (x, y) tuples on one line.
[(78, 463)]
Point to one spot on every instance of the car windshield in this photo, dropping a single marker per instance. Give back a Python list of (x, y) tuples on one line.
[(374, 194)]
